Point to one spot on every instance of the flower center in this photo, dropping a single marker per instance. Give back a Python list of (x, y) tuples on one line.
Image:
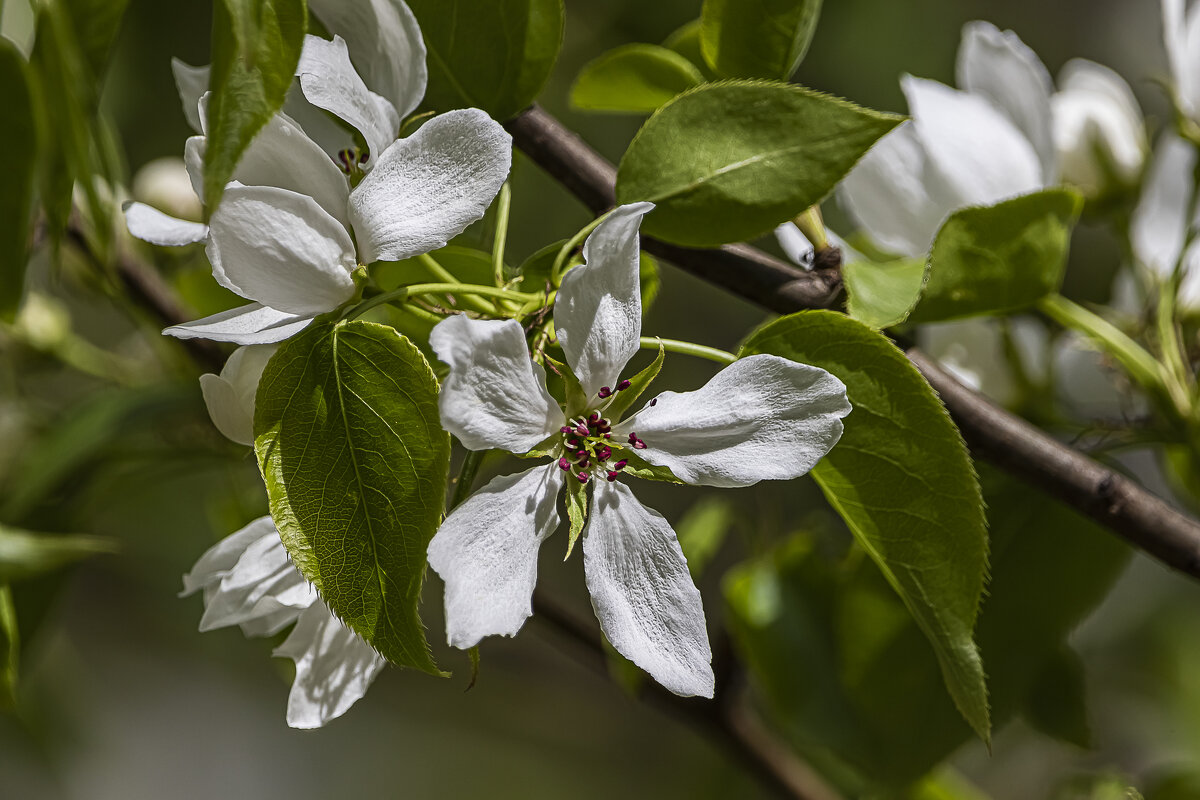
[(587, 448), (351, 161)]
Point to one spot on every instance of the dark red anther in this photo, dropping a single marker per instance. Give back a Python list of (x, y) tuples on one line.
[(637, 443), (583, 477), (612, 476), (605, 392), (620, 465), (654, 402), (362, 159), (583, 463), (582, 431), (593, 418), (564, 464), (622, 386), (572, 444), (603, 453), (565, 429)]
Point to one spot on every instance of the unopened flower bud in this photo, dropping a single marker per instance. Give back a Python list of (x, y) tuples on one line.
[(1098, 129)]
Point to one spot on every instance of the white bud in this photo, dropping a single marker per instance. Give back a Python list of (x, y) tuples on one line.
[(1098, 129), (164, 184), (230, 395)]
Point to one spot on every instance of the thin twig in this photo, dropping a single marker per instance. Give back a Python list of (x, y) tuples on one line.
[(727, 719), (1008, 441)]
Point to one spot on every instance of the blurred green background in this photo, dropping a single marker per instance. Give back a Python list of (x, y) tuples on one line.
[(123, 698)]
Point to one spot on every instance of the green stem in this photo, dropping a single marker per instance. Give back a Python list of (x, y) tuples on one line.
[(1171, 345), (564, 252), (443, 274), (688, 349), (812, 226), (467, 289), (466, 477), (501, 239), (1141, 366)]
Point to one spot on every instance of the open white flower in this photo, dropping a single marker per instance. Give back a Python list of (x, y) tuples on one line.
[(284, 234), (988, 142), (1166, 215), (1181, 36), (247, 580), (763, 417), (1098, 128)]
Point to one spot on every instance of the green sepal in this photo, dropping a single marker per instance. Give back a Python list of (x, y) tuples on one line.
[(577, 511), (576, 400), (640, 468), (637, 384), (473, 655)]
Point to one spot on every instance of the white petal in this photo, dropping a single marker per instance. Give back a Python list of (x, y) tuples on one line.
[(795, 245), (282, 155), (249, 324), (193, 160), (192, 83), (330, 82), (153, 226), (220, 558), (329, 132), (486, 552), (334, 668), (229, 396), (281, 249), (1159, 224), (978, 155), (895, 196), (1181, 36), (426, 189), (643, 594), (385, 45), (761, 418), (1002, 68), (494, 396), (1097, 126), (263, 582), (598, 313)]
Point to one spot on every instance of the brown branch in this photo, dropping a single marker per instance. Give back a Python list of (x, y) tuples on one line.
[(728, 720), (1006, 440), (150, 293)]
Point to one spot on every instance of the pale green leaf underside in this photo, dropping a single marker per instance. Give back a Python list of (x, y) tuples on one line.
[(883, 295), (356, 462), (635, 78), (729, 161), (902, 480)]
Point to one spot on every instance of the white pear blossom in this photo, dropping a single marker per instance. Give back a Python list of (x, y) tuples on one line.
[(986, 142), (285, 233), (1165, 222), (1099, 133), (763, 417), (230, 395), (247, 580), (1181, 36)]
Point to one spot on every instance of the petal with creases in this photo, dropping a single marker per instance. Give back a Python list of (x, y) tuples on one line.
[(494, 396), (153, 226), (334, 667), (999, 66), (281, 249), (486, 552), (385, 45), (978, 155), (893, 194), (761, 418), (1159, 224), (598, 310), (427, 188), (229, 396), (329, 81), (192, 83), (263, 582), (283, 155), (249, 324), (221, 557), (643, 594)]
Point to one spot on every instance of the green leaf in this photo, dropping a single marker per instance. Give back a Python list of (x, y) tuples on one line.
[(757, 38), (635, 78), (639, 468), (729, 161), (577, 511), (10, 647), (25, 555), (902, 480), (1057, 701), (18, 138), (686, 42), (883, 295), (255, 48), (494, 55), (96, 24), (702, 531), (356, 464), (1000, 258)]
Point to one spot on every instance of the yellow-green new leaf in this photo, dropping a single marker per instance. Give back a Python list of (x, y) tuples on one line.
[(636, 78)]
